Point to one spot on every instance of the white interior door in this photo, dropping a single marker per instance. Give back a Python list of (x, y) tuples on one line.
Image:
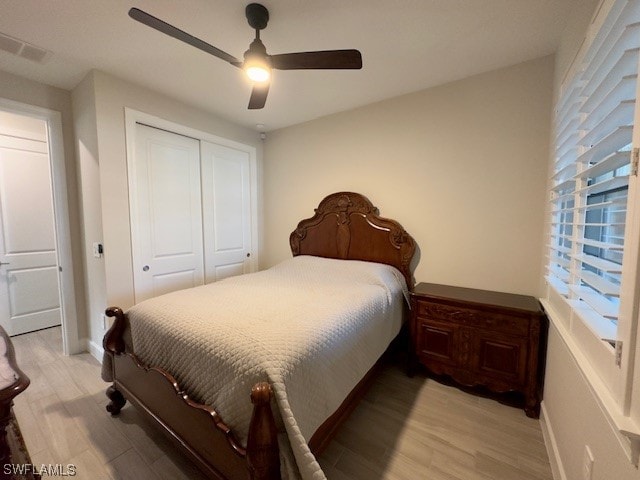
[(29, 278), (166, 214), (226, 207)]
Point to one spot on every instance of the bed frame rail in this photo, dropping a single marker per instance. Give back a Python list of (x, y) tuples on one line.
[(196, 428)]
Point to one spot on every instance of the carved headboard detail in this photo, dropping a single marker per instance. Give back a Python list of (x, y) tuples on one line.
[(347, 226)]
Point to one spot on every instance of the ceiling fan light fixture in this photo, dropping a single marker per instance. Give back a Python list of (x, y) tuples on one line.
[(258, 72), (257, 64)]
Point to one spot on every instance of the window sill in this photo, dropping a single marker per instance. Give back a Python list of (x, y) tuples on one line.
[(626, 428)]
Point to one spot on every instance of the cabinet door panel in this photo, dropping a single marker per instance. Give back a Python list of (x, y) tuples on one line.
[(501, 357), (437, 341)]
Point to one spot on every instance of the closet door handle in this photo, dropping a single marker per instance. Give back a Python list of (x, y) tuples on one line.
[(145, 268), (4, 263)]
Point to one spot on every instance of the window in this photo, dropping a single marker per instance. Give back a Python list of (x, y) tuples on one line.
[(591, 180), (592, 254)]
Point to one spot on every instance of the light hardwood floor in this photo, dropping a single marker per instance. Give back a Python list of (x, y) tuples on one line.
[(404, 429)]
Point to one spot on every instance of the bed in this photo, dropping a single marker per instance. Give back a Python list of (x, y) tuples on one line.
[(334, 307)]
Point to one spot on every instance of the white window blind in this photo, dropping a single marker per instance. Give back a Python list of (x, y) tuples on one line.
[(590, 182)]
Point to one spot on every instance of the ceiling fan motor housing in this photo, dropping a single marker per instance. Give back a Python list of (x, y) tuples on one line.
[(257, 16), (257, 53)]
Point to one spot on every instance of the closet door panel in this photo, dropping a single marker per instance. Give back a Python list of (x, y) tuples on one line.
[(166, 212), (173, 281), (226, 209)]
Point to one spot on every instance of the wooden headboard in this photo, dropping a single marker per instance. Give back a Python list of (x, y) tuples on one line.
[(346, 226)]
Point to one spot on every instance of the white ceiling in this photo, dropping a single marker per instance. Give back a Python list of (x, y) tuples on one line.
[(406, 45)]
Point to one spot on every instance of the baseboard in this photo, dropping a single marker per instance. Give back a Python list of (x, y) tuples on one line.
[(76, 346), (557, 468), (96, 350)]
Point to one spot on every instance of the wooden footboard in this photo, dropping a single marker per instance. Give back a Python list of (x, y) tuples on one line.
[(194, 427)]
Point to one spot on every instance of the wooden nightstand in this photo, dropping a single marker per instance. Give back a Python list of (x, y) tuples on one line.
[(12, 382), (478, 337)]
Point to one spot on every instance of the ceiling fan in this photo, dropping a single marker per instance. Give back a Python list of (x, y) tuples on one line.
[(257, 62)]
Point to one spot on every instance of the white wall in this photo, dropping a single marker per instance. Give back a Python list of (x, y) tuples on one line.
[(572, 414), (84, 117), (462, 167), (99, 103), (575, 419), (26, 91)]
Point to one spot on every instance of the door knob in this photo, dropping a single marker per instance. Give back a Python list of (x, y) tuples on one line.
[(145, 268)]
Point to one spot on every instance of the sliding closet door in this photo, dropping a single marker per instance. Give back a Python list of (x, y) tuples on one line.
[(166, 214), (226, 208)]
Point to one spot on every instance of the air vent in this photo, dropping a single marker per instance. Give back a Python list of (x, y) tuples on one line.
[(23, 49)]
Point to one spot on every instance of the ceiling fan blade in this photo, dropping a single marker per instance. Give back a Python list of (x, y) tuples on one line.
[(258, 96), (326, 59), (164, 27)]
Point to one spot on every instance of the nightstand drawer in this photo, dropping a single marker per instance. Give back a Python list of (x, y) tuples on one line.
[(473, 317)]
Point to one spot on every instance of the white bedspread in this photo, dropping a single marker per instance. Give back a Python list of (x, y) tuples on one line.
[(311, 327)]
